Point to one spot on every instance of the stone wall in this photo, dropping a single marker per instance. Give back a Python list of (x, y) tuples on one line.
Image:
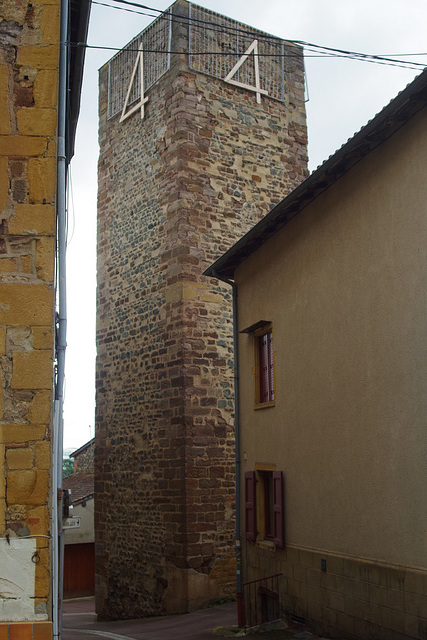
[(176, 189), (346, 597), (29, 35), (84, 458)]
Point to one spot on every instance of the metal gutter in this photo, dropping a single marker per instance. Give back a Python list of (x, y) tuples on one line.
[(74, 22), (61, 328)]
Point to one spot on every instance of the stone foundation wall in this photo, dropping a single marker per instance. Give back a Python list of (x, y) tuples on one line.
[(344, 597), (176, 189)]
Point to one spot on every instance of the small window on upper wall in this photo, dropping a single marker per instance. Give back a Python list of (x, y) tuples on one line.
[(264, 367), (262, 334)]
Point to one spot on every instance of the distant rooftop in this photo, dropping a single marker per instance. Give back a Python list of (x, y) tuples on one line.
[(83, 448), (82, 486)]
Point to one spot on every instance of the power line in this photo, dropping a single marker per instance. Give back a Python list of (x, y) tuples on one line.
[(315, 50), (193, 21), (361, 57)]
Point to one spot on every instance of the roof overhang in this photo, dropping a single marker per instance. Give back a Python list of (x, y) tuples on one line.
[(79, 12)]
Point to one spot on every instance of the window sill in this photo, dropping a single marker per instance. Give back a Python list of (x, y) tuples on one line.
[(268, 545), (265, 405)]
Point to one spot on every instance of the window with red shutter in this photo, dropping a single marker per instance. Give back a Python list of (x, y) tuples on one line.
[(250, 506), (265, 367), (265, 520)]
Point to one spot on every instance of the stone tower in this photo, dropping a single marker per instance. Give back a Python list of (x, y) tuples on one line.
[(198, 142)]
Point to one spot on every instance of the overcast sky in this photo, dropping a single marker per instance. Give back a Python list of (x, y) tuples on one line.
[(343, 94)]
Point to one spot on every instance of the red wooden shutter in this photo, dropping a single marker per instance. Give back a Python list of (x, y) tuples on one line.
[(266, 370), (250, 513), (270, 367), (279, 509), (263, 368)]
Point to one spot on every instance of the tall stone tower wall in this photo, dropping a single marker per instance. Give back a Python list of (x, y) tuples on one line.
[(176, 188)]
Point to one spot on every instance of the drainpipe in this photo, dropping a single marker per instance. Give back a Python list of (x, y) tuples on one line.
[(239, 594), (57, 534)]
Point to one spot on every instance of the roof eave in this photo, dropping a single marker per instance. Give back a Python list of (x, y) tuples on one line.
[(79, 13)]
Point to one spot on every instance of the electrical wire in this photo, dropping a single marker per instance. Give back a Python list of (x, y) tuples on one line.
[(311, 50), (362, 58)]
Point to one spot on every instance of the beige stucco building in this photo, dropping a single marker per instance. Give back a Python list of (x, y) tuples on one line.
[(332, 313), (34, 152)]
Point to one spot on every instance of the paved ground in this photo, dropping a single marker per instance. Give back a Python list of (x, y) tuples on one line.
[(79, 623)]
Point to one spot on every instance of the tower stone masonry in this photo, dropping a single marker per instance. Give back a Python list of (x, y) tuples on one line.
[(182, 176)]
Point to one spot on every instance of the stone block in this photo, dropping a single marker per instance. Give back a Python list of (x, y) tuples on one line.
[(42, 582), (24, 304), (45, 89), (45, 57), (2, 479), (8, 265), (392, 598), (37, 219), (19, 338), (42, 455), (4, 110), (415, 581), (32, 370), (334, 600), (335, 564), (21, 458), (174, 293), (213, 298), (26, 264), (189, 292), (13, 11), (4, 181), (51, 148), (45, 259), (50, 24), (27, 487), (416, 604), (43, 337), (22, 146), (40, 408), (38, 520), (42, 180), (36, 122), (414, 627), (16, 433), (2, 515), (375, 614)]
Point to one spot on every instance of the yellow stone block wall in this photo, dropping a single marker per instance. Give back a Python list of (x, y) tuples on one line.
[(29, 51)]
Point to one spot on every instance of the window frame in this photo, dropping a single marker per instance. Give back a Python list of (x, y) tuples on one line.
[(264, 506), (264, 332)]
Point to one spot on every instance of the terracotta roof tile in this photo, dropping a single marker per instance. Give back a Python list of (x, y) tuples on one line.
[(82, 486)]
